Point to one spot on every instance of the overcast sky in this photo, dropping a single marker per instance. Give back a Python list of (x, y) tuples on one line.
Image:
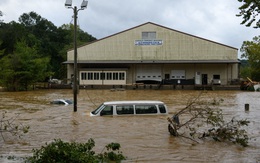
[(210, 19)]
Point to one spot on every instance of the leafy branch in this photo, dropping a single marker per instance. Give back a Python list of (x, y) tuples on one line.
[(10, 125), (112, 153), (206, 120)]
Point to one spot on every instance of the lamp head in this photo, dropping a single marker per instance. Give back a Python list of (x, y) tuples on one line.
[(84, 4), (68, 3)]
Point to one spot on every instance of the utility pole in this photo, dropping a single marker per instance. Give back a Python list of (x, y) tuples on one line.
[(68, 4)]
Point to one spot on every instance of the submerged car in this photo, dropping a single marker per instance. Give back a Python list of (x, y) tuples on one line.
[(130, 108), (62, 102)]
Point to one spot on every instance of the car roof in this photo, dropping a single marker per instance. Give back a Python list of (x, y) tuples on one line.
[(132, 102)]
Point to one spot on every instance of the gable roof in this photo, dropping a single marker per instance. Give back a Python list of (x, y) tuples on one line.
[(158, 26)]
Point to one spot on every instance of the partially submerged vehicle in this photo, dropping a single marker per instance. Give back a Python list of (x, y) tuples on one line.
[(130, 108), (61, 102)]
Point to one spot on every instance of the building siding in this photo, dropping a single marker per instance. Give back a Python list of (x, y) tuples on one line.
[(176, 46)]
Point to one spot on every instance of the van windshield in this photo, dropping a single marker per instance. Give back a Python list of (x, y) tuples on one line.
[(95, 112)]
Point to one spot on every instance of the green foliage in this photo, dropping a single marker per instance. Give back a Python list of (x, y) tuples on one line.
[(206, 120), (23, 68), (65, 152), (249, 11), (251, 51), (228, 131), (10, 34), (245, 69), (245, 72), (48, 44), (113, 153)]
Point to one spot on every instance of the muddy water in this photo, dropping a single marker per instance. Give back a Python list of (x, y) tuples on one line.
[(143, 138)]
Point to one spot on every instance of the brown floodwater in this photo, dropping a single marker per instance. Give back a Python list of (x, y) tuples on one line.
[(142, 138)]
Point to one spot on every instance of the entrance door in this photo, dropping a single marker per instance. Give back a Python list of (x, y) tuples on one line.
[(204, 79), (198, 78), (167, 76)]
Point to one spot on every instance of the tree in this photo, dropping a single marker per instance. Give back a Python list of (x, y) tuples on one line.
[(205, 120), (249, 11), (52, 41), (23, 68), (10, 34), (47, 40), (251, 51)]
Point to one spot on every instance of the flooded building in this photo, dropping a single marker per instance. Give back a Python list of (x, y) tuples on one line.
[(154, 54)]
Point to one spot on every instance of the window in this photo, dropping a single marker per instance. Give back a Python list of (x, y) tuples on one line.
[(145, 109), (216, 76), (96, 75), (162, 108), (121, 76), (125, 109), (109, 76), (98, 109), (148, 35), (102, 76), (83, 76), (108, 110), (115, 76), (90, 76)]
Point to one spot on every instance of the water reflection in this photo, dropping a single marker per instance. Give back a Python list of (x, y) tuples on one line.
[(143, 138)]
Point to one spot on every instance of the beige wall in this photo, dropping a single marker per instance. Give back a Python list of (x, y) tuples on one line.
[(227, 72), (176, 46)]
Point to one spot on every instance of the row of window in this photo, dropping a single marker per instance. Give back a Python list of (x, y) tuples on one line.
[(129, 109), (178, 77), (149, 76), (102, 75)]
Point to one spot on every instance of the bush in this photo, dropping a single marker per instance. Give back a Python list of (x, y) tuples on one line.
[(65, 152)]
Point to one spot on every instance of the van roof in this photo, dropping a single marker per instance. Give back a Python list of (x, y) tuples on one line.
[(132, 102)]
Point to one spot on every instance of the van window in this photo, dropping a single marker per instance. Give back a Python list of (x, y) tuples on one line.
[(145, 109), (124, 109), (162, 108), (108, 110)]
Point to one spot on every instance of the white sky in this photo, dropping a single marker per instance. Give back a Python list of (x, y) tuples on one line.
[(210, 19)]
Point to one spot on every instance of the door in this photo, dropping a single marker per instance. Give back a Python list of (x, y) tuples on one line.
[(197, 78), (204, 79), (167, 76), (148, 72)]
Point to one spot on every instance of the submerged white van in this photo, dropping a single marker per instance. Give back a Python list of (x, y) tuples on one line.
[(130, 108)]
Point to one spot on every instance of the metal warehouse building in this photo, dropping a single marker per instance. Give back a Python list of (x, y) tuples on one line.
[(151, 53)]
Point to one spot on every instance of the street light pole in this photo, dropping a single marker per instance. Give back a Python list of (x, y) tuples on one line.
[(68, 4), (75, 82)]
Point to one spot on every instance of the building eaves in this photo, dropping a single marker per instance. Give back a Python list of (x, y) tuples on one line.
[(152, 61)]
